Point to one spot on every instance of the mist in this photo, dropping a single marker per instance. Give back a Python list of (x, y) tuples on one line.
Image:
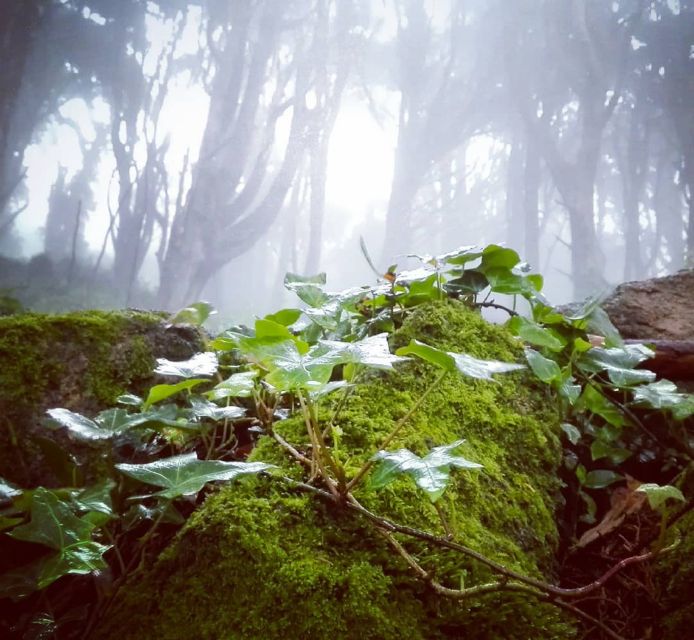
[(153, 154)]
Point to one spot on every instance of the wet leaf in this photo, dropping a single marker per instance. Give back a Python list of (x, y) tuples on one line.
[(160, 392), (308, 288), (372, 351), (535, 334), (53, 524), (205, 409), (195, 313), (185, 475), (665, 395), (287, 317), (201, 364), (545, 369), (431, 473), (658, 495), (238, 385), (601, 478), (80, 427), (572, 432)]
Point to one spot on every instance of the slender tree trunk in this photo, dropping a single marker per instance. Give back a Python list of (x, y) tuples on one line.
[(531, 204)]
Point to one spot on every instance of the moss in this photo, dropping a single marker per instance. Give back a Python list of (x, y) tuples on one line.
[(674, 576), (81, 361), (261, 561)]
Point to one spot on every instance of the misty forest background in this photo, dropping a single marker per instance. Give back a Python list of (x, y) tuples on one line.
[(157, 153)]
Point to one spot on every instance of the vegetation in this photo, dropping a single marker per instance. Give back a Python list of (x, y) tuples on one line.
[(349, 460)]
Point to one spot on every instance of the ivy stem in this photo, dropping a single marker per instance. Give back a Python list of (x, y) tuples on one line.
[(366, 467), (321, 455)]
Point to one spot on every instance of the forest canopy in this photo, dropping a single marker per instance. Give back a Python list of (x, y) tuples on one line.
[(153, 153)]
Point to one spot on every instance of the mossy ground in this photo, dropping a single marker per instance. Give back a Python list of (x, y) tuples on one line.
[(80, 361), (259, 560)]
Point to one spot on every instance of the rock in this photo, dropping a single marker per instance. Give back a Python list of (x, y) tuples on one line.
[(658, 308), (263, 560), (80, 361)]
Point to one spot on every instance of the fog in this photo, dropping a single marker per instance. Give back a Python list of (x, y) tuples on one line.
[(153, 154)]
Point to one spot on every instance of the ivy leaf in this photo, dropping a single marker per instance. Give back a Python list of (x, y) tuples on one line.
[(664, 395), (535, 334), (600, 478), (129, 399), (8, 491), (201, 364), (592, 400), (195, 313), (600, 449), (160, 392), (471, 281), (547, 370), (431, 473), (657, 495), (482, 369), (79, 426), (96, 497), (571, 431), (185, 475), (429, 354), (308, 288), (286, 317), (372, 351), (53, 524), (290, 369), (238, 385), (204, 409), (619, 362), (496, 256)]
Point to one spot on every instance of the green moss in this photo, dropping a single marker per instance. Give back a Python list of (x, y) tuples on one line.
[(261, 561), (81, 361), (674, 576)]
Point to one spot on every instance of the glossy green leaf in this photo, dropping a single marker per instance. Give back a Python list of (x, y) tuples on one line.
[(97, 497), (195, 313), (203, 408), (470, 282), (185, 475), (290, 369), (545, 369), (658, 495), (53, 524), (372, 351), (571, 431), (594, 401), (129, 399), (238, 385), (495, 256), (600, 449), (308, 288), (619, 363), (535, 334), (665, 395), (286, 317), (431, 473), (8, 491), (482, 369), (160, 392), (80, 427), (462, 255), (430, 354), (601, 478), (201, 364)]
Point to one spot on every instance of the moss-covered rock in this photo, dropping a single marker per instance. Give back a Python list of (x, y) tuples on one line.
[(80, 361), (260, 560)]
